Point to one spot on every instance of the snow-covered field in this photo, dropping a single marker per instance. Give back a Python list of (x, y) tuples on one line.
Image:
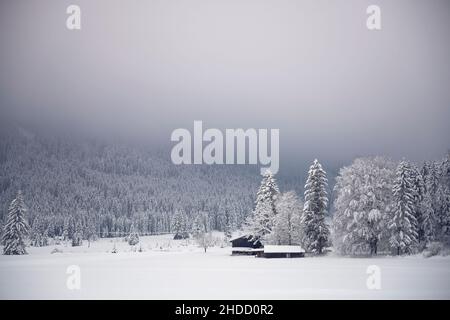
[(169, 269)]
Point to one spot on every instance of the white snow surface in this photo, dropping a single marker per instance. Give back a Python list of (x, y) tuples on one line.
[(178, 269)]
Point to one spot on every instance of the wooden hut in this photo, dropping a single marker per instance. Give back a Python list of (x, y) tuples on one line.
[(243, 245)]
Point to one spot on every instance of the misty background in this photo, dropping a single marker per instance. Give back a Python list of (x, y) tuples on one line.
[(137, 70)]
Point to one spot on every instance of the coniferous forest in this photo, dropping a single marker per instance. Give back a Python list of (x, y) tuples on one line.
[(77, 191)]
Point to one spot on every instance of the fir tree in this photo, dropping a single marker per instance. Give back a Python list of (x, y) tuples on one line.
[(65, 231), (429, 223), (418, 195), (39, 232), (179, 226), (133, 237), (77, 235), (228, 231), (403, 223), (261, 222), (268, 190), (316, 231), (90, 231), (444, 199), (16, 227), (227, 221)]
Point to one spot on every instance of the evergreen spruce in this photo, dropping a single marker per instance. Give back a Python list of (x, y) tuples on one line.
[(16, 227), (77, 234), (403, 223), (39, 232), (133, 237), (261, 222), (316, 232)]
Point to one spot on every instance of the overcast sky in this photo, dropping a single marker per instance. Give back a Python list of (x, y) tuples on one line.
[(309, 68)]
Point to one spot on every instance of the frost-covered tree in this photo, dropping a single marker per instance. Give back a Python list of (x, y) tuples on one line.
[(403, 224), (287, 223), (203, 234), (77, 232), (443, 199), (90, 232), (228, 231), (268, 190), (444, 218), (418, 194), (39, 232), (428, 223), (197, 226), (260, 223), (362, 205), (179, 226), (16, 228), (430, 206), (133, 237), (228, 220), (316, 232)]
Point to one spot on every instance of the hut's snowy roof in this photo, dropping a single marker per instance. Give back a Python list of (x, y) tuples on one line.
[(283, 249), (245, 236)]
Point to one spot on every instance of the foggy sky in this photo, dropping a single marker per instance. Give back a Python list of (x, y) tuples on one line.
[(141, 69)]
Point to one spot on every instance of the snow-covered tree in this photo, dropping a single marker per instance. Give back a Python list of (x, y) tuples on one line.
[(403, 224), (268, 190), (228, 231), (133, 237), (39, 232), (179, 226), (197, 226), (228, 220), (16, 228), (443, 198), (90, 232), (362, 205), (418, 194), (77, 233), (287, 223), (202, 233), (316, 232), (260, 223), (444, 216), (429, 223)]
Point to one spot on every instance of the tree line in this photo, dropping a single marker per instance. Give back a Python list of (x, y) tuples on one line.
[(378, 205), (79, 193)]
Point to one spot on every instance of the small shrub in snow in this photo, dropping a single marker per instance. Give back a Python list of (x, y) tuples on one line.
[(434, 249), (133, 239)]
